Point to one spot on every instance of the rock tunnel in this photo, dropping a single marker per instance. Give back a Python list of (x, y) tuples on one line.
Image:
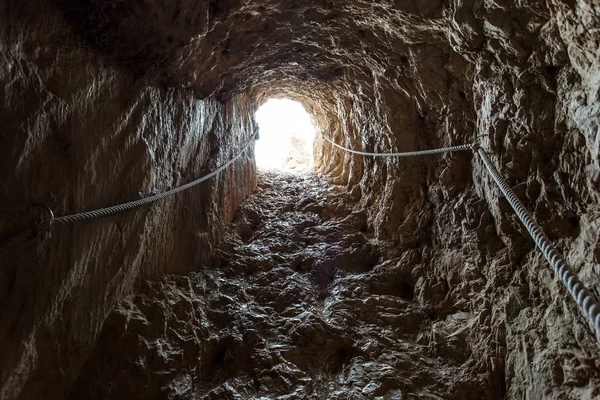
[(371, 278)]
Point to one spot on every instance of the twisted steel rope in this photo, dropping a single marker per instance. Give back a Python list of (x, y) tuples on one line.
[(463, 147), (103, 212), (587, 302)]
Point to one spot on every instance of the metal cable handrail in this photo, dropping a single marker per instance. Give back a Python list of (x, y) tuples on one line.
[(585, 299), (463, 147), (103, 212)]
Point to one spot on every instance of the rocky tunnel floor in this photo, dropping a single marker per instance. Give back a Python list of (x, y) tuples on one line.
[(300, 302)]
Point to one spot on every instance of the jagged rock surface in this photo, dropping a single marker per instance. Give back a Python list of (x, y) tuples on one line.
[(520, 77), (301, 302), (78, 134)]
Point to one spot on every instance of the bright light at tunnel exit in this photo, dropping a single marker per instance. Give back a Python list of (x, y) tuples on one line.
[(286, 137)]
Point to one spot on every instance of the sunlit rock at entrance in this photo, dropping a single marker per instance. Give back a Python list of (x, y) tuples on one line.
[(286, 137)]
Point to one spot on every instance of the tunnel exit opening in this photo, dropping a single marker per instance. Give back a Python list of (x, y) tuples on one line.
[(286, 137)]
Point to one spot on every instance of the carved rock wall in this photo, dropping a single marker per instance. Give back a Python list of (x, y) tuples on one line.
[(80, 133), (521, 78)]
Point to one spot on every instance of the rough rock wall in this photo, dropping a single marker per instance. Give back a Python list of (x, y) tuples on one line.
[(79, 133), (523, 82), (521, 77), (299, 302)]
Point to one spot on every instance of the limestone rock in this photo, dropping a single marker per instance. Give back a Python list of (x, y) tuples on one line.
[(108, 101)]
